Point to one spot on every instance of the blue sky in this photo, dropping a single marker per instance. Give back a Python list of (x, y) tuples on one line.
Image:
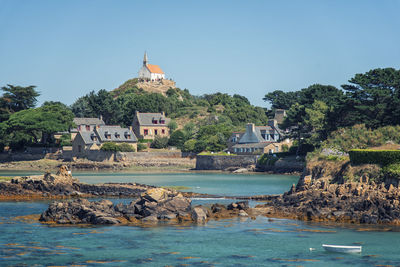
[(68, 48)]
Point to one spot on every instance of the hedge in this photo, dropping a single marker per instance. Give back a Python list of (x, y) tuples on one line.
[(371, 156)]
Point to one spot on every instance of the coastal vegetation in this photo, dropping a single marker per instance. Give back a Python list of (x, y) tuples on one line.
[(363, 113)]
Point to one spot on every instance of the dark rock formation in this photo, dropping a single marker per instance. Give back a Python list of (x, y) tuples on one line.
[(156, 204), (64, 185), (319, 200)]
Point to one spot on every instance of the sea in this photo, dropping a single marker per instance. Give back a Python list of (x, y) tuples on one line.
[(259, 241)]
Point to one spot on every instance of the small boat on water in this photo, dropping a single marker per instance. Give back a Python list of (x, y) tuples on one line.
[(342, 249)]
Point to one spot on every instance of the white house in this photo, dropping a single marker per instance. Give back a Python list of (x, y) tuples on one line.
[(150, 72)]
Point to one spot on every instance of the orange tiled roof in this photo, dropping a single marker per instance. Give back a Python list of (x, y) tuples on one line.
[(154, 68)]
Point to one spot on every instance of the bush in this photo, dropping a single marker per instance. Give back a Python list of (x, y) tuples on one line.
[(110, 146), (199, 146), (65, 140), (124, 147), (371, 156), (172, 125), (141, 147), (160, 142), (145, 141), (392, 171), (267, 160), (177, 139), (189, 145)]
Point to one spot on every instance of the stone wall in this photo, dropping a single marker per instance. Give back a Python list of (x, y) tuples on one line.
[(209, 162), (5, 157), (106, 156)]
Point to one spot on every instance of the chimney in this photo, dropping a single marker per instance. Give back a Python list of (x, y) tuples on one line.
[(273, 123), (130, 128), (250, 128), (101, 117), (136, 113), (163, 113)]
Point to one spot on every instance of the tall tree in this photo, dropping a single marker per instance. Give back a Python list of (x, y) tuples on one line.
[(19, 98), (32, 125), (373, 98)]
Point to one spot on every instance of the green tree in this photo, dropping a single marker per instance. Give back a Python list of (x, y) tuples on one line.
[(159, 142), (172, 125), (373, 98), (189, 145), (32, 125), (282, 100), (316, 119), (18, 98), (177, 139)]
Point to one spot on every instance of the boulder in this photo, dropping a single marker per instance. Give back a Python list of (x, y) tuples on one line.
[(242, 213), (155, 194), (199, 215)]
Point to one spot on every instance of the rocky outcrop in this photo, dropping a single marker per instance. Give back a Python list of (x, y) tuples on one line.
[(156, 204), (63, 185), (352, 202)]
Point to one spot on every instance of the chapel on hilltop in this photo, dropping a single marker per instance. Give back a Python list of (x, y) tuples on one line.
[(150, 72)]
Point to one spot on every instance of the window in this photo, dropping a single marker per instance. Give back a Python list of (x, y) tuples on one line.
[(162, 121), (108, 136), (79, 148), (155, 121), (163, 131), (79, 127), (87, 127), (117, 135), (155, 132), (128, 136), (146, 131)]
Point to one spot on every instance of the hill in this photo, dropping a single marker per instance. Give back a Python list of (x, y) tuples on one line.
[(151, 87)]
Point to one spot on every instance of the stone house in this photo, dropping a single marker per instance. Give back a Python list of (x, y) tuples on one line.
[(258, 140), (150, 125), (150, 72), (86, 141), (86, 125)]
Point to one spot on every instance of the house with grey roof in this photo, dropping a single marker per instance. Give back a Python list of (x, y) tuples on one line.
[(86, 125), (150, 125), (258, 139), (93, 140)]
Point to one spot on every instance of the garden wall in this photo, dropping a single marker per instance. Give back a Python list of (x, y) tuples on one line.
[(207, 162)]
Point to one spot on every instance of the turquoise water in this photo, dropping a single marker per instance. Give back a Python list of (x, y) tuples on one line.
[(238, 242)]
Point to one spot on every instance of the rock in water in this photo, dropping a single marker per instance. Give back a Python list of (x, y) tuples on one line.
[(199, 215), (156, 194)]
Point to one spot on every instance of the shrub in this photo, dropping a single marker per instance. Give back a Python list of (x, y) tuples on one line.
[(172, 125), (392, 171), (141, 146), (267, 160), (110, 146), (189, 145), (371, 156), (177, 139), (160, 142), (200, 146), (124, 147), (65, 140)]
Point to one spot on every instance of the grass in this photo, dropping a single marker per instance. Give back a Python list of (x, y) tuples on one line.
[(4, 178)]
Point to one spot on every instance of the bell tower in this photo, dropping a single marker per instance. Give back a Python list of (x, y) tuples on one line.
[(145, 59)]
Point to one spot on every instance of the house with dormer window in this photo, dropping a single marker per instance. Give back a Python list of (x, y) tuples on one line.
[(150, 125), (258, 140), (93, 140)]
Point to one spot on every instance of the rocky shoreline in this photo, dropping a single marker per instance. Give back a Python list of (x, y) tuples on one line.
[(318, 200), (154, 205)]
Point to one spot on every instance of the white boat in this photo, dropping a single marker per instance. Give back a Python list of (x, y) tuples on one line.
[(342, 249)]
